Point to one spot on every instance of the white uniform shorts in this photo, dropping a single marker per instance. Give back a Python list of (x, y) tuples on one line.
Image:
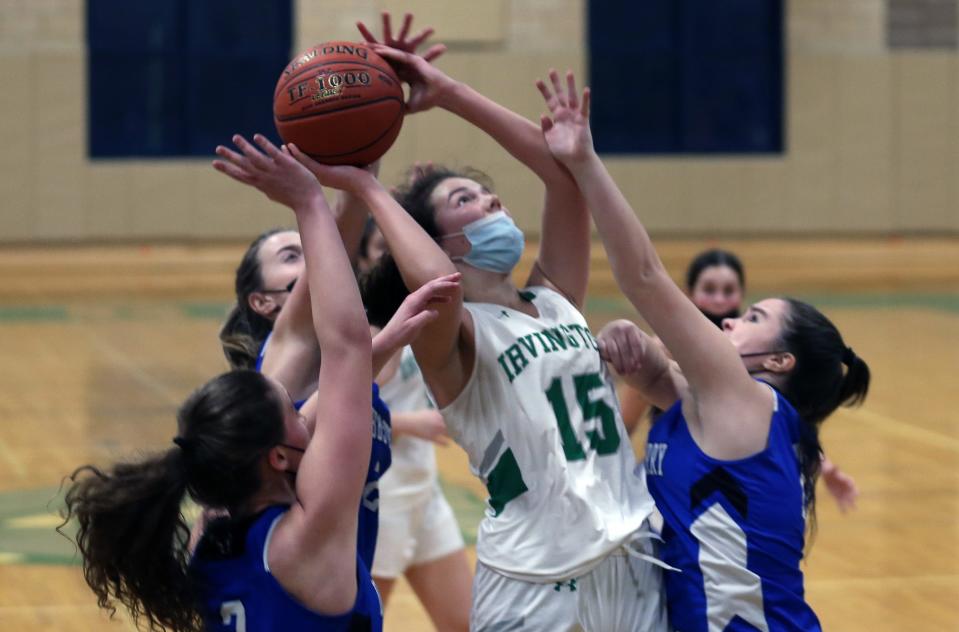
[(414, 535), (621, 594)]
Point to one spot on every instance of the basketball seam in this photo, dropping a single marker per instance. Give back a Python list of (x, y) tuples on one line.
[(340, 109), (367, 146), (290, 79)]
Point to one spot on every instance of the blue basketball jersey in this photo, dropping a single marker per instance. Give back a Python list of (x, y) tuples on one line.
[(734, 529), (380, 458), (240, 594)]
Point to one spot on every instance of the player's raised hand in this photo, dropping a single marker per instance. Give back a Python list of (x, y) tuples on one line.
[(342, 177), (623, 344), (402, 41), (270, 170), (566, 127), (415, 69), (419, 309), (428, 84)]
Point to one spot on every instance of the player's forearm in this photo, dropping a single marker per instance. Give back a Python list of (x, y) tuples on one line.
[(339, 320), (634, 261), (351, 212), (517, 135), (419, 258)]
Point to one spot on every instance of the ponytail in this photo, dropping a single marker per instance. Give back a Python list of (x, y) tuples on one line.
[(855, 384), (818, 384), (133, 539), (242, 336), (131, 533)]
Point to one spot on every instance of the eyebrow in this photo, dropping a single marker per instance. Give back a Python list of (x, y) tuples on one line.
[(455, 191), (461, 189), (760, 310), (291, 247)]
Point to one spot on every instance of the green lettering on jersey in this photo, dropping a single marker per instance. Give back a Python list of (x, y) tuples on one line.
[(505, 482), (527, 341), (518, 355), (502, 362), (604, 437), (567, 436), (573, 342), (516, 358), (556, 339)]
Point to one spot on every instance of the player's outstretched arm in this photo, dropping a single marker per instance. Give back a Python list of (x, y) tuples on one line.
[(420, 260), (323, 522), (710, 364), (293, 355)]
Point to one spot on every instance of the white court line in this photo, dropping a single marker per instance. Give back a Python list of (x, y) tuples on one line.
[(905, 430)]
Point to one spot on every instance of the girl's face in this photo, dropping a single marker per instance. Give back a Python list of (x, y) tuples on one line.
[(458, 202), (758, 332), (281, 263), (375, 249), (717, 291)]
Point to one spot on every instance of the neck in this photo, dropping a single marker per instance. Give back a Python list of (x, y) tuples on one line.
[(274, 493), (773, 379), (483, 286)]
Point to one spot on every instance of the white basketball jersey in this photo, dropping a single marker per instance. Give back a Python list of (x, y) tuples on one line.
[(541, 424), (412, 475)]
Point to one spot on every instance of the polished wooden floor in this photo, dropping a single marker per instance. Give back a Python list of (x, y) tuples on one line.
[(99, 345)]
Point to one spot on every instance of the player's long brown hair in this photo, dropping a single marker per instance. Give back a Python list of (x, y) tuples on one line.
[(131, 532), (244, 330), (382, 287), (828, 374)]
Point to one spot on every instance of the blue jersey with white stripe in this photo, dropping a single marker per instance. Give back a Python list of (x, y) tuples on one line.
[(734, 529), (240, 594)]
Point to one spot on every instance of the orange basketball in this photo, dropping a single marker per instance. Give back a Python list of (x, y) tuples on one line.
[(339, 102)]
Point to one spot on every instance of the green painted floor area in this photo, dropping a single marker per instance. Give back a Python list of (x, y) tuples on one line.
[(600, 305), (29, 520), (28, 528)]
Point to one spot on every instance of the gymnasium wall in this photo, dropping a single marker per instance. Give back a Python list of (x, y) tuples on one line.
[(872, 94)]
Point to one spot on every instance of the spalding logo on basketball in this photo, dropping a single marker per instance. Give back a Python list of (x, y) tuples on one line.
[(339, 102)]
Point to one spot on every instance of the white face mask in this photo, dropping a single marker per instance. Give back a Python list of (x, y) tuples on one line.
[(496, 243)]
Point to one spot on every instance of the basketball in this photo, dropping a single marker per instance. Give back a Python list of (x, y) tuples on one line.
[(340, 103)]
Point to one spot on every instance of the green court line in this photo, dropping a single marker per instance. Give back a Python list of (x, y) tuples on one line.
[(14, 314), (41, 544), (595, 305), (205, 311)]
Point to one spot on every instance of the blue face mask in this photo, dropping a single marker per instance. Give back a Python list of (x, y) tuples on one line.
[(496, 244)]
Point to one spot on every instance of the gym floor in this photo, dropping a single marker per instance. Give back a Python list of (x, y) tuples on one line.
[(100, 344)]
